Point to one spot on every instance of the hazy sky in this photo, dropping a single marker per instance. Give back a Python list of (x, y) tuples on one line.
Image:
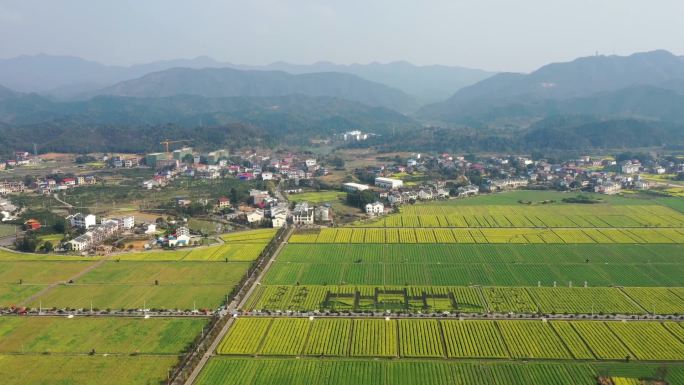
[(491, 34)]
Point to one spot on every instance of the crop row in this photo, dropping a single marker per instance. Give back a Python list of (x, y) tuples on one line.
[(548, 300), (242, 371), (516, 235), (468, 274), (557, 254), (448, 215), (405, 338)]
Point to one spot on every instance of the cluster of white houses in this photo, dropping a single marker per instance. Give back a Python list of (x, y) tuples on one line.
[(96, 234)]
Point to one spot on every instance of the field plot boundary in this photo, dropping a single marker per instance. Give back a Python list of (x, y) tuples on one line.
[(469, 299), (521, 339), (495, 235)]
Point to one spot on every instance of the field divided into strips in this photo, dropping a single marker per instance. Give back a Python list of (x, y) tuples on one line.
[(463, 339), (461, 214), (244, 371), (657, 300), (374, 338), (410, 235), (546, 300), (184, 279), (480, 264), (532, 340)]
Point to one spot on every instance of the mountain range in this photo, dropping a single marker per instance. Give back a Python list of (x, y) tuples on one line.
[(585, 102), (228, 82), (606, 85), (66, 77)]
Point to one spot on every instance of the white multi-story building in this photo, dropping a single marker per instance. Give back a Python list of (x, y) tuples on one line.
[(630, 168), (375, 208), (608, 188), (303, 214), (388, 183), (355, 135), (82, 221)]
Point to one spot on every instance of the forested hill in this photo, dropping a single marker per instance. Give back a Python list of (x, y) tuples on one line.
[(109, 123), (228, 82)]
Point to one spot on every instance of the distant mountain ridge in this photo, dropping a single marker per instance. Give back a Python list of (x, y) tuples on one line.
[(429, 83), (67, 76), (555, 84), (228, 82)]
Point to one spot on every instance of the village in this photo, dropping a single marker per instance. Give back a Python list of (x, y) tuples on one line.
[(302, 189)]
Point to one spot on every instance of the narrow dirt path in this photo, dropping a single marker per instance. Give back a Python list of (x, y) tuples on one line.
[(51, 286)]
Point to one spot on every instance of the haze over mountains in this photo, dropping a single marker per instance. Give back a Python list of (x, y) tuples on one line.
[(585, 102), (67, 77), (228, 82), (609, 85)]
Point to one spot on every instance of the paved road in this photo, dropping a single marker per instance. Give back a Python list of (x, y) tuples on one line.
[(231, 308)]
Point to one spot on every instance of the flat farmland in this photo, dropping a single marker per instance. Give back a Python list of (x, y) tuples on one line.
[(40, 272), (25, 369), (84, 350), (411, 338), (181, 297), (501, 339), (166, 273), (482, 253), (468, 274), (105, 335), (447, 214), (14, 294), (501, 299), (242, 371), (513, 235), (185, 279)]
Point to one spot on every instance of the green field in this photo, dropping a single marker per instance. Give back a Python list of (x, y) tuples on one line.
[(505, 339), (105, 335), (482, 264), (84, 350), (115, 297), (517, 235), (547, 300), (197, 278), (84, 370), (242, 371), (317, 196), (166, 273)]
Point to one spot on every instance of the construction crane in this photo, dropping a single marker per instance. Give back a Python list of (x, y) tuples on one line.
[(167, 142)]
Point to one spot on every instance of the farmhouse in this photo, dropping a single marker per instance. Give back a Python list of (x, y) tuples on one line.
[(303, 214), (82, 221), (630, 167), (223, 203), (255, 216), (375, 208)]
